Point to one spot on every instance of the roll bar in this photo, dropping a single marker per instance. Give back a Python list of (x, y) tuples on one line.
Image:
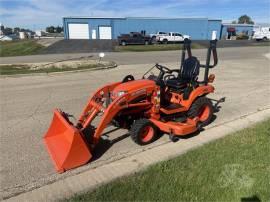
[(186, 47), (211, 50)]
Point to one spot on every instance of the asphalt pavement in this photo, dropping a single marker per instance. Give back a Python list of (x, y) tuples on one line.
[(128, 58), (242, 76)]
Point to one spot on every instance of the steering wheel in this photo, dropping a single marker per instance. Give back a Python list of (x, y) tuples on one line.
[(161, 68), (128, 78)]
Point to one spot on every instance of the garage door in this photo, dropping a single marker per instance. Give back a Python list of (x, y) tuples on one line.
[(105, 32), (78, 31)]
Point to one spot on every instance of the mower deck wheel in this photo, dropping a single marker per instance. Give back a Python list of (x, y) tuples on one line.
[(143, 132), (203, 109)]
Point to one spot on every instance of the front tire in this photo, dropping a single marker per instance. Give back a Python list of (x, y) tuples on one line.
[(203, 109), (143, 132)]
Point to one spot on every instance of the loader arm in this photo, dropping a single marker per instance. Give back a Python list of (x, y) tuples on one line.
[(101, 93), (68, 145), (108, 113)]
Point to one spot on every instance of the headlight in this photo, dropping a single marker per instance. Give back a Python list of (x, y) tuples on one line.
[(120, 93)]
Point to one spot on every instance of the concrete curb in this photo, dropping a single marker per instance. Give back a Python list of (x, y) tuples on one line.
[(58, 73), (93, 178)]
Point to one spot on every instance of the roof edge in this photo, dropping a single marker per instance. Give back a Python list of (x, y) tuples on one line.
[(165, 18)]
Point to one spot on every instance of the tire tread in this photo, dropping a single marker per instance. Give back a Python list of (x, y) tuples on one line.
[(195, 107), (136, 128)]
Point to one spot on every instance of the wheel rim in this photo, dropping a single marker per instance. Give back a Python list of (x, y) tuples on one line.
[(147, 134), (204, 113)]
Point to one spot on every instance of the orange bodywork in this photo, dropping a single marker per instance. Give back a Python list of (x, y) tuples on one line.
[(177, 128), (70, 147), (190, 125)]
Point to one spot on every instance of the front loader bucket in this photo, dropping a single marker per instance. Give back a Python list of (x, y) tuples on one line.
[(65, 144)]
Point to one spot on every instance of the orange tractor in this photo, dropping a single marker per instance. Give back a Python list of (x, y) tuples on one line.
[(172, 102)]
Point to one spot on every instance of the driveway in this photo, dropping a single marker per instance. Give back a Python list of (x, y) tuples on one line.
[(243, 77)]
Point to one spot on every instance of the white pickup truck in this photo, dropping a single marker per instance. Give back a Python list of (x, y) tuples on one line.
[(171, 37), (262, 34), (158, 34)]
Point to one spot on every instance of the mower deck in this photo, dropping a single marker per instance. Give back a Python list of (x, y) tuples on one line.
[(178, 128)]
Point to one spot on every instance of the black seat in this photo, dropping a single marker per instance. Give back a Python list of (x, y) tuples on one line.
[(188, 73)]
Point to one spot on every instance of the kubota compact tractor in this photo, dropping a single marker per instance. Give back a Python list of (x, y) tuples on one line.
[(173, 102)]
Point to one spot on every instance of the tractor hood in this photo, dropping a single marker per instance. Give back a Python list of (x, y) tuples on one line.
[(142, 84)]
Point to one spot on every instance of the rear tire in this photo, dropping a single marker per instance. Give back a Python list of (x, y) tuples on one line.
[(165, 41), (143, 132), (203, 109), (153, 40), (123, 43)]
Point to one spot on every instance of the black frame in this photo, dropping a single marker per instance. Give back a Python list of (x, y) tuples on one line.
[(211, 49)]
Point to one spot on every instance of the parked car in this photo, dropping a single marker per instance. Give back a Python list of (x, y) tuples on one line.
[(134, 38), (262, 34), (172, 37)]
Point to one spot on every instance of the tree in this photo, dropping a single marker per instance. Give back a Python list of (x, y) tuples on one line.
[(7, 31), (234, 22), (58, 29), (16, 30), (50, 29), (245, 19)]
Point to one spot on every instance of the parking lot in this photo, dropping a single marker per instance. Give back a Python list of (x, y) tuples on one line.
[(242, 76)]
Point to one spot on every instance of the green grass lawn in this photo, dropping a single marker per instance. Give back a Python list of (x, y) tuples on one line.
[(25, 69), (154, 47), (235, 168), (19, 47)]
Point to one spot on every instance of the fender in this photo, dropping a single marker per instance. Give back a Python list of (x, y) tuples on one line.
[(200, 91)]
